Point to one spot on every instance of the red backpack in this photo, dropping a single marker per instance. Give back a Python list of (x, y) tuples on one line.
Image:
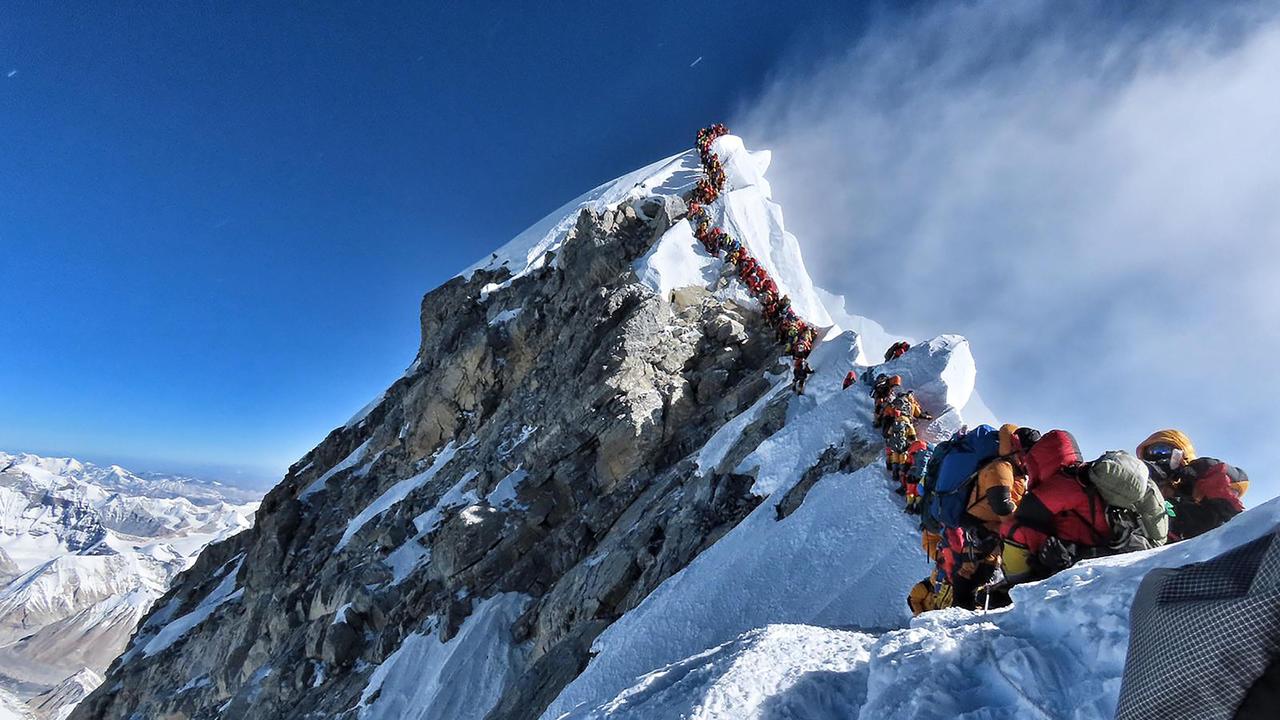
[(1055, 450)]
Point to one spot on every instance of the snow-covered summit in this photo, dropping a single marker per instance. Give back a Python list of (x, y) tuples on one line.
[(747, 212)]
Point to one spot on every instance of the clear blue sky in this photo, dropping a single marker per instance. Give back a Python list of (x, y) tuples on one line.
[(217, 219)]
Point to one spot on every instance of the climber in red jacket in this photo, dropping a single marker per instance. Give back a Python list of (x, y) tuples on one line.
[(1059, 519)]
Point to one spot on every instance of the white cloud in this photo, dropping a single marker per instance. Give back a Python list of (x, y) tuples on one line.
[(1092, 201)]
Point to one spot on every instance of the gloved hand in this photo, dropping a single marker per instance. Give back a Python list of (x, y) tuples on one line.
[(1056, 555)]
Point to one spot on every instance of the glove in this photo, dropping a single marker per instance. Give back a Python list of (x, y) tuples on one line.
[(1056, 555)]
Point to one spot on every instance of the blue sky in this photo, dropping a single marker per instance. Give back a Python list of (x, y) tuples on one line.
[(216, 221)]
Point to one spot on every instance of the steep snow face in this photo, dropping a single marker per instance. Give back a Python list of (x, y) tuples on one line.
[(1057, 652), (747, 212), (778, 671)]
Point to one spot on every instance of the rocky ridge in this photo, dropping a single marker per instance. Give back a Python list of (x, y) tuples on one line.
[(540, 469)]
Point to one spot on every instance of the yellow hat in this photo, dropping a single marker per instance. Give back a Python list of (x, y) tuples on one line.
[(1176, 438)]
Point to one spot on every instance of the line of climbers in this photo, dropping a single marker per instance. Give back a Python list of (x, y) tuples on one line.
[(999, 507), (795, 334)]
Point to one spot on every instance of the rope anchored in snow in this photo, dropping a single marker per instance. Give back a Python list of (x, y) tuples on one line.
[(795, 334)]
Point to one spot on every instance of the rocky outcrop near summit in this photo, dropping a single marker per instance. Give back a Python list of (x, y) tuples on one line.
[(537, 450)]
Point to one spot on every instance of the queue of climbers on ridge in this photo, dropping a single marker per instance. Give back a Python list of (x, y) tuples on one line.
[(795, 334), (999, 507)]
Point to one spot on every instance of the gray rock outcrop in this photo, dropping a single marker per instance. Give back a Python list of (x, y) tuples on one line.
[(538, 445)]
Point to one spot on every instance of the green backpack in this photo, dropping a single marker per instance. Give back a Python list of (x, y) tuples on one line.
[(1124, 482)]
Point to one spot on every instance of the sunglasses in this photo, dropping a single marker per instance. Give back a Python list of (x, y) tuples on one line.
[(1158, 452)]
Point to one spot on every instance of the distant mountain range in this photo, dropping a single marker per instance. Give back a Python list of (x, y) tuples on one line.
[(84, 552)]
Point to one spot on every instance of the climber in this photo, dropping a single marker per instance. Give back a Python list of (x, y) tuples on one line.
[(918, 455), (800, 375), (932, 593), (896, 350), (990, 498), (849, 379), (1001, 482), (899, 434), (1203, 492), (882, 392), (969, 561), (769, 286), (1060, 518)]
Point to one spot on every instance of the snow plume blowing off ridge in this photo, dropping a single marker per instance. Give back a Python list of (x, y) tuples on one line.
[(1087, 193)]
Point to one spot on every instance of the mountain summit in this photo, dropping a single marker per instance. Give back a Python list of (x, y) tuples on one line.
[(592, 494)]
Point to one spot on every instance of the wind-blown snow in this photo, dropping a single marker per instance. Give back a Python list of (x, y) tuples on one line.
[(461, 679)]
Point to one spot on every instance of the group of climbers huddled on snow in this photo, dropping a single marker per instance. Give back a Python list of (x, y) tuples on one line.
[(1002, 506), (796, 335), (1005, 506)]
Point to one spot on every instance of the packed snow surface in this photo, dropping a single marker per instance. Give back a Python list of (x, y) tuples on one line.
[(528, 251), (775, 672), (1058, 652)]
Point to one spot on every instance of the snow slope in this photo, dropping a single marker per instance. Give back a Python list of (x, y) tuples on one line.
[(1058, 652), (747, 212), (843, 558), (461, 679)]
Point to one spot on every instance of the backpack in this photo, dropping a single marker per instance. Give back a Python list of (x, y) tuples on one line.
[(920, 463), (1124, 482), (1054, 450), (951, 472), (898, 439)]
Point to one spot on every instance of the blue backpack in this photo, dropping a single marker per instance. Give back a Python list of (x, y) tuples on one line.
[(950, 475)]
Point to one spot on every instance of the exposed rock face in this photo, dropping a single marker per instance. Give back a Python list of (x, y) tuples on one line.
[(539, 445)]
